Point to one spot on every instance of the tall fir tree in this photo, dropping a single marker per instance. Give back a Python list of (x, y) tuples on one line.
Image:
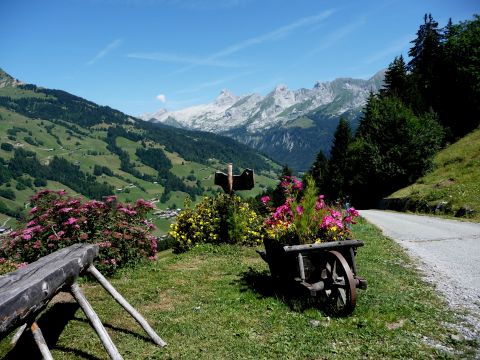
[(336, 182), (318, 171), (426, 54)]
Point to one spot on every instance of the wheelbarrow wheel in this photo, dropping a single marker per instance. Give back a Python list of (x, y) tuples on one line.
[(339, 292)]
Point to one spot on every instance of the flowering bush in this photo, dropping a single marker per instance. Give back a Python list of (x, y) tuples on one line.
[(305, 217), (58, 220), (220, 219)]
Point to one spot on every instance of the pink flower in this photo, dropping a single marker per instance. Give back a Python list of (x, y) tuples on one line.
[(353, 212), (37, 244), (143, 203), (61, 192), (127, 211), (265, 200), (336, 214), (26, 236), (70, 221), (111, 198), (31, 223), (34, 210), (65, 210), (300, 210)]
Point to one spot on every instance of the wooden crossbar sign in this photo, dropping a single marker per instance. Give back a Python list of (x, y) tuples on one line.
[(229, 182)]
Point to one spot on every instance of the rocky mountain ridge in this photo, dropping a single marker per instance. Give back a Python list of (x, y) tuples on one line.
[(291, 126)]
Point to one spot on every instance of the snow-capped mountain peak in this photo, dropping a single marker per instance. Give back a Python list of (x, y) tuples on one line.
[(226, 98), (256, 113)]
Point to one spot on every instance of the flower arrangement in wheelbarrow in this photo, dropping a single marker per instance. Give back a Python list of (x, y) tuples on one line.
[(305, 217), (309, 242)]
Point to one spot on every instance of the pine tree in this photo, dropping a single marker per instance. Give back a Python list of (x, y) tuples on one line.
[(426, 55), (318, 170), (337, 164), (396, 79)]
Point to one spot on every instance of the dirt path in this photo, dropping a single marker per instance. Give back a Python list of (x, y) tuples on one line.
[(449, 254)]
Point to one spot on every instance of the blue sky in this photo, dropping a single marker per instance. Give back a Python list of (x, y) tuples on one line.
[(141, 55)]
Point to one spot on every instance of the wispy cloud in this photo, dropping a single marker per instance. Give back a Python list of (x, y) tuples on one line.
[(184, 59), (162, 98), (212, 83), (102, 53), (394, 48), (338, 34), (215, 59)]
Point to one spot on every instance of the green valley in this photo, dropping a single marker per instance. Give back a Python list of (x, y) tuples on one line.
[(52, 139)]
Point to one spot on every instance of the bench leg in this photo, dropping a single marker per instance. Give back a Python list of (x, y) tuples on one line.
[(41, 343), (124, 303), (18, 334), (96, 323)]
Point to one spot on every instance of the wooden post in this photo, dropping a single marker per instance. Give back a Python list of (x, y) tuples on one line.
[(129, 308), (230, 178), (41, 343), (96, 323)]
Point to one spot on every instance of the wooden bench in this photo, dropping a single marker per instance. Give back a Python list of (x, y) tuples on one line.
[(26, 292)]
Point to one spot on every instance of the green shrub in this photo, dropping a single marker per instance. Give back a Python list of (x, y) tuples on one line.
[(6, 146), (57, 221), (7, 194), (215, 220)]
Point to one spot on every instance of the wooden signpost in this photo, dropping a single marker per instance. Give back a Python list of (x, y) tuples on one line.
[(229, 182)]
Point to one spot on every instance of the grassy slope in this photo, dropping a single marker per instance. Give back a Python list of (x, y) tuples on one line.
[(455, 178), (220, 303)]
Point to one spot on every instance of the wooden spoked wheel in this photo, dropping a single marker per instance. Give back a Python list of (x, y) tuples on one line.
[(340, 294)]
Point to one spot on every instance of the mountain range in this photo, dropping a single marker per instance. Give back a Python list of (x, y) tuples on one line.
[(290, 126)]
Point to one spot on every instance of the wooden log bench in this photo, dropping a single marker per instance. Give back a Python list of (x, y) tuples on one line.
[(26, 292)]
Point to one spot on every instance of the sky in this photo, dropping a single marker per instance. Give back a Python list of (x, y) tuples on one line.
[(138, 56)]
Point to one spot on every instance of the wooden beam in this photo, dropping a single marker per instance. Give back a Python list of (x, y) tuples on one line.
[(25, 292)]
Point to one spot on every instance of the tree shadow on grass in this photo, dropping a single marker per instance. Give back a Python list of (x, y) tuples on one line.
[(52, 323), (296, 296)]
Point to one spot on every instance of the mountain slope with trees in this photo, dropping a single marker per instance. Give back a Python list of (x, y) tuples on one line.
[(425, 104), (50, 138)]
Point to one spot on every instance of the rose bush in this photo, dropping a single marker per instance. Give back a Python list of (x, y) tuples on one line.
[(58, 220), (305, 217)]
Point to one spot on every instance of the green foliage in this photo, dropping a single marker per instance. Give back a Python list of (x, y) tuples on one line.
[(338, 166), (57, 221), (6, 146), (7, 194), (318, 171), (392, 148), (7, 266), (216, 220)]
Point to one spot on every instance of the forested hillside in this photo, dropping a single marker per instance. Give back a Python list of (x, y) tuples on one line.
[(50, 138), (427, 102)]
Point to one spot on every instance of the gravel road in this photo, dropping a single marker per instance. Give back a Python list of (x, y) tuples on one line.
[(449, 254)]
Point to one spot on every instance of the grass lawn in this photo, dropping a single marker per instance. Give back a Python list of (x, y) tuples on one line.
[(220, 303)]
